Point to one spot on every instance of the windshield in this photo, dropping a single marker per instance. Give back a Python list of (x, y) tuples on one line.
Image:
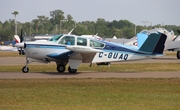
[(96, 44), (56, 38)]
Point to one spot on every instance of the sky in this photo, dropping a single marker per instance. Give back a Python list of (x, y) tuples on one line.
[(139, 12)]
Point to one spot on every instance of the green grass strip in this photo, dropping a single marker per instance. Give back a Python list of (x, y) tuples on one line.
[(90, 94), (120, 67)]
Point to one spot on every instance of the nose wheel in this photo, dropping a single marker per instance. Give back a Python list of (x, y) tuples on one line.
[(25, 69)]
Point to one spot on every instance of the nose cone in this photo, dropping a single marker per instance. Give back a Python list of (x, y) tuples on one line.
[(19, 45)]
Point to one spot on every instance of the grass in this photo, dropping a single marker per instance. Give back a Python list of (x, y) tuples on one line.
[(90, 94), (10, 54), (121, 67)]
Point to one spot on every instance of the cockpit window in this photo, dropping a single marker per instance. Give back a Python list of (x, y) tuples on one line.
[(56, 38), (96, 44), (81, 41), (67, 40)]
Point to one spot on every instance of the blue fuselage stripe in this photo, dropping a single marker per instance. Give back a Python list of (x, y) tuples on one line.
[(108, 48), (44, 46)]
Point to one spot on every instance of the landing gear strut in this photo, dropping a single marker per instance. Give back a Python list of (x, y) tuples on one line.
[(25, 69)]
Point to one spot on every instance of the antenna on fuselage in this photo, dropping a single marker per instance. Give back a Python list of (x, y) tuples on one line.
[(95, 36), (70, 32)]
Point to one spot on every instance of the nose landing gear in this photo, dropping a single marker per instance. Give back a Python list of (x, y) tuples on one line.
[(62, 67), (25, 69)]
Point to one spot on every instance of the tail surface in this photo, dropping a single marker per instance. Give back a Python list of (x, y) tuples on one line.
[(151, 42)]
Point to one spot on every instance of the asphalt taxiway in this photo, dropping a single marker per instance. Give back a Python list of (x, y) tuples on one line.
[(15, 75)]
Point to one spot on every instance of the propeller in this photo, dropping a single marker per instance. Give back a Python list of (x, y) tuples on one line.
[(178, 31), (21, 40), (21, 36)]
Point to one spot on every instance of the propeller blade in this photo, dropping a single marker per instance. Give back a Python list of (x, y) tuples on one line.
[(178, 32), (21, 40), (21, 36)]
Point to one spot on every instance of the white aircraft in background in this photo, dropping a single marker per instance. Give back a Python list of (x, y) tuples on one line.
[(174, 45), (93, 36), (10, 47), (73, 49), (47, 37), (168, 33), (133, 40)]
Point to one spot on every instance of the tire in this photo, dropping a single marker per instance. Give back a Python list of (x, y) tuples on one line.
[(72, 70), (25, 69), (178, 54), (61, 68)]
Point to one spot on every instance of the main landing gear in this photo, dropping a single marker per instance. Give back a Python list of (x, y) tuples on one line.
[(178, 54), (61, 68), (71, 70)]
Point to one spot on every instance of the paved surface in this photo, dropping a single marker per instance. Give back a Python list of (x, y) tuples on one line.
[(15, 75), (21, 61)]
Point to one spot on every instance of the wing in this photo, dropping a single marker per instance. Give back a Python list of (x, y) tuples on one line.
[(61, 57), (81, 55), (86, 54), (84, 57)]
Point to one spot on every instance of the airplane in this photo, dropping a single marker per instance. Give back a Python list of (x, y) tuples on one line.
[(133, 40), (93, 36), (174, 45), (88, 50), (47, 36), (21, 39), (8, 48)]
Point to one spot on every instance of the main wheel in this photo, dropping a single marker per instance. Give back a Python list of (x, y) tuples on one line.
[(178, 54), (61, 68), (25, 69), (72, 70)]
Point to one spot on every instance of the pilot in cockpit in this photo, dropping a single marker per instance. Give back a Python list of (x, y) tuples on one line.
[(68, 42)]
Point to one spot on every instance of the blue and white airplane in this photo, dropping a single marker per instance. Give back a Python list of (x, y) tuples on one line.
[(73, 49)]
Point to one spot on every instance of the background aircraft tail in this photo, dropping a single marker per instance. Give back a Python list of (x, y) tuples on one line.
[(151, 42), (16, 38), (19, 39)]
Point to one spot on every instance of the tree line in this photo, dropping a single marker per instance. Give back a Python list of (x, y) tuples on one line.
[(59, 23)]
